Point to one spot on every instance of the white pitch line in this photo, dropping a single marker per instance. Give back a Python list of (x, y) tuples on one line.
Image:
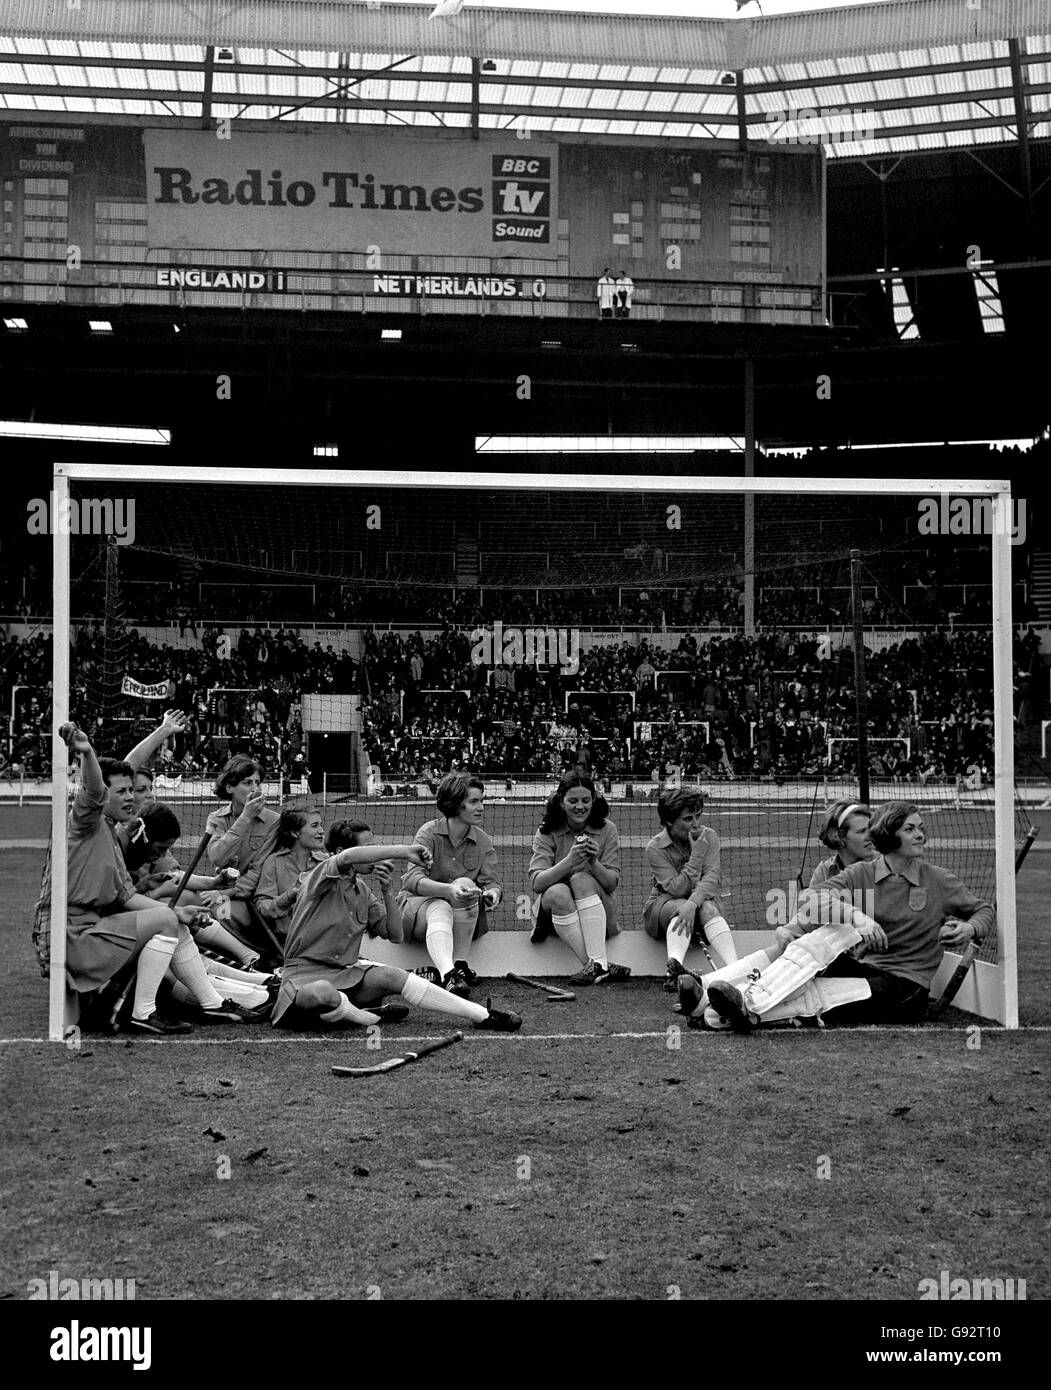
[(90, 1040)]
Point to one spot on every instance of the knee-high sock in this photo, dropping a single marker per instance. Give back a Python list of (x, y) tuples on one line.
[(720, 939), (677, 943), (568, 930), (188, 968), (440, 936), (222, 971), (346, 1012), (154, 960), (217, 938), (593, 927), (465, 919), (428, 996)]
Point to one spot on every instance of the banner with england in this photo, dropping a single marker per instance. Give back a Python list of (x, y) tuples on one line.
[(349, 192)]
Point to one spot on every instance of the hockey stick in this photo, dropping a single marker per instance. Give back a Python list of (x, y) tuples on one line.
[(555, 995), (114, 1024), (402, 1061), (961, 972)]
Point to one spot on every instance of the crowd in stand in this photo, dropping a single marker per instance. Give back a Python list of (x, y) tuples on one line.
[(728, 707)]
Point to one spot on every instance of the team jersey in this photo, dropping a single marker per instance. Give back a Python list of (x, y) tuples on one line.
[(279, 874), (243, 848), (910, 907), (98, 881), (824, 871), (684, 873), (474, 857), (332, 913), (550, 847)]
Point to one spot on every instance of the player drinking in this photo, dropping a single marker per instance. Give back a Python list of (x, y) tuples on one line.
[(845, 831), (109, 924), (575, 869), (897, 910), (684, 901), (243, 833), (325, 982), (441, 905)]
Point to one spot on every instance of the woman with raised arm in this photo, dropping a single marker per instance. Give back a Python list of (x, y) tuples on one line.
[(325, 980)]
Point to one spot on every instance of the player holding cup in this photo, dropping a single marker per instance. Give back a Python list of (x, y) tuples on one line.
[(684, 901), (575, 869), (443, 905)]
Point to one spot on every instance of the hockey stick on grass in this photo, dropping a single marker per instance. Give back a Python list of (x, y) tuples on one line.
[(403, 1061), (555, 995)]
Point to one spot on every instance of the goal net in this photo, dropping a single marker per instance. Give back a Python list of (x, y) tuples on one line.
[(360, 635)]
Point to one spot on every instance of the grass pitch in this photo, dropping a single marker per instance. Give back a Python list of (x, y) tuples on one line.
[(588, 1157)]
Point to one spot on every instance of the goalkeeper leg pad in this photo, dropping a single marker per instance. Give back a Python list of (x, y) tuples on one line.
[(818, 997), (802, 960)]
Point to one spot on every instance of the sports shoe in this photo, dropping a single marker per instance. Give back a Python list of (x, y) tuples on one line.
[(500, 1020), (672, 976), (454, 983), (462, 968), (591, 974), (229, 1012), (158, 1026), (428, 973), (690, 994), (728, 1002), (615, 974), (389, 1013)]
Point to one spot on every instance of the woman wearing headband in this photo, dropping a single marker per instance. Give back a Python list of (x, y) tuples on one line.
[(845, 831)]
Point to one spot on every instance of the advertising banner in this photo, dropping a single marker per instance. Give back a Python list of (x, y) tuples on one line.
[(349, 192)]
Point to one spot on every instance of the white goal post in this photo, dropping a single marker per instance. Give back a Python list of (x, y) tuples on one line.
[(991, 990)]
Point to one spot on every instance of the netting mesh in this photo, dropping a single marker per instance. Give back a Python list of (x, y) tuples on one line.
[(360, 643)]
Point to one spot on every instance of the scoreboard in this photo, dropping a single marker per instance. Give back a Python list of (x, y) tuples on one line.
[(359, 220)]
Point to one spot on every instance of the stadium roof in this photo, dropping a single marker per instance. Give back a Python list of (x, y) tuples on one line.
[(903, 75)]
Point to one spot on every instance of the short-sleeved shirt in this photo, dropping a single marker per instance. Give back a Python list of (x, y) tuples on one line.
[(474, 857), (910, 907), (332, 913), (824, 871), (98, 881), (279, 873), (550, 847), (683, 873), (244, 850)]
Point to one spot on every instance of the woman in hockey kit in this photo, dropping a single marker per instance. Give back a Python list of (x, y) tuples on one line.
[(910, 911), (575, 870)]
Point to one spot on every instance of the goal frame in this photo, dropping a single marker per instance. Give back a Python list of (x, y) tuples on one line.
[(991, 990)]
